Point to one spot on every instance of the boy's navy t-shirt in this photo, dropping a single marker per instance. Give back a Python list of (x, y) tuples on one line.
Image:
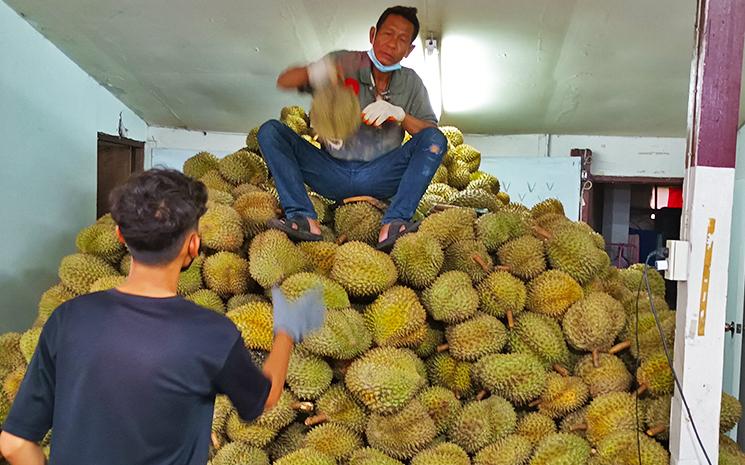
[(131, 380)]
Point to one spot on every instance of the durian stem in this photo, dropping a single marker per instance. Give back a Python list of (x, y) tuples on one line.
[(442, 348), (341, 239), (215, 440), (619, 347), (642, 389), (535, 403), (578, 427), (480, 262), (306, 407), (560, 369), (595, 358), (510, 319), (366, 198), (316, 419), (654, 431), (542, 233), (503, 268), (482, 394), (439, 207), (278, 211)]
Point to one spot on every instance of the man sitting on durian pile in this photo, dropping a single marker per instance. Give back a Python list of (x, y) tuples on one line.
[(371, 162)]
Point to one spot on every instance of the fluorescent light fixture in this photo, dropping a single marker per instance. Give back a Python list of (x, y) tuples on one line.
[(425, 60), (467, 80)]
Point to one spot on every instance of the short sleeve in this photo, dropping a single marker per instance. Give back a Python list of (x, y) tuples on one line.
[(31, 414), (419, 104), (242, 381)]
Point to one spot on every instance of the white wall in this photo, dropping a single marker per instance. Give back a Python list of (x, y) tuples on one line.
[(171, 147), (50, 113)]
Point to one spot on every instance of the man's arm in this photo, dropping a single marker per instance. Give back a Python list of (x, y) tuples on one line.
[(19, 451), (293, 78), (413, 125), (321, 73)]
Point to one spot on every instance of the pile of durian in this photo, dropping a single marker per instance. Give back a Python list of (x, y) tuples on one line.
[(495, 335)]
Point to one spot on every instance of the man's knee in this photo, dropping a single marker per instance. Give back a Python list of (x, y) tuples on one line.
[(435, 140), (269, 130)]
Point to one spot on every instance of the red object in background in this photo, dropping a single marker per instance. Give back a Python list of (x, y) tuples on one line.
[(666, 197)]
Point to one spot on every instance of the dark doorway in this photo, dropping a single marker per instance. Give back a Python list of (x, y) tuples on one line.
[(118, 158)]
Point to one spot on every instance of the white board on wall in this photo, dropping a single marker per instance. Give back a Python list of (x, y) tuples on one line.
[(175, 158), (530, 180)]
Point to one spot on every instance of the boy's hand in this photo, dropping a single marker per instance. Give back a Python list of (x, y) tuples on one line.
[(301, 316)]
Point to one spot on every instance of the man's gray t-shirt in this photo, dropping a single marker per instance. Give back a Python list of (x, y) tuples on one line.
[(405, 90)]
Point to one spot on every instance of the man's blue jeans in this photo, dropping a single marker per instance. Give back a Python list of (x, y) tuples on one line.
[(401, 175)]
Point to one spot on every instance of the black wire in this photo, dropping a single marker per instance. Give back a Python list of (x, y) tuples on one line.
[(667, 354)]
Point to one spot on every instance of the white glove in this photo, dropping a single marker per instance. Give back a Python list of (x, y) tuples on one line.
[(323, 72), (381, 111)]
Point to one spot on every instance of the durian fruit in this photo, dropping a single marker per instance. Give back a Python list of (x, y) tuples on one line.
[(426, 204), (514, 449), (611, 374), (11, 356), (100, 239), (335, 112), (308, 376), (320, 255), (243, 167), (190, 280), (263, 429), (334, 296), (481, 335), (30, 339), (497, 228), (502, 294), (370, 456), (574, 252), (273, 257), (385, 379), (444, 370), (729, 452), (552, 293), (245, 188), (633, 278), (125, 264), (418, 258), (469, 256), (200, 164), (483, 422), (547, 206), (226, 273), (563, 395), (622, 448), (459, 174), (254, 321), (79, 271), (524, 256), (475, 198), (256, 209), (542, 336), (207, 298), (12, 382), (306, 456), (449, 226), (240, 452), (106, 283), (287, 441), (519, 378), (729, 417), (561, 449), (362, 270), (657, 417), (654, 374), (396, 318), (486, 181), (648, 335), (333, 440), (337, 406), (442, 454), (221, 197), (213, 180), (610, 413), (433, 338), (252, 140), (469, 155), (401, 435), (294, 110), (243, 299), (442, 405), (343, 336), (441, 190), (451, 298), (593, 323), (50, 300), (222, 411), (535, 427), (358, 221), (297, 124), (441, 175), (452, 134), (221, 228), (575, 422), (322, 207)]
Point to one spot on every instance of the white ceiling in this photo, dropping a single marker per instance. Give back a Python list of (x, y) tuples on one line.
[(508, 66)]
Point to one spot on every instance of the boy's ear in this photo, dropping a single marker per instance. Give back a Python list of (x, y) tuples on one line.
[(195, 242), (119, 236)]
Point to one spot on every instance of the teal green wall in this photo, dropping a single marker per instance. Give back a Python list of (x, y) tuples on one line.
[(50, 113), (736, 288)]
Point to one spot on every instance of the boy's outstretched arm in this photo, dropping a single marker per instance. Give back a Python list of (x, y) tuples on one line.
[(19, 451)]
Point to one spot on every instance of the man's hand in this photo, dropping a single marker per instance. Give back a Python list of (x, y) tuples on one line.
[(324, 72), (301, 316), (381, 111)]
